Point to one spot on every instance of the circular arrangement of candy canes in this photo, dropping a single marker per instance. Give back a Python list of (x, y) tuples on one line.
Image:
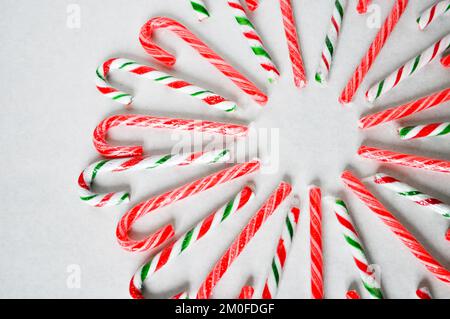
[(423, 293), (162, 235), (137, 163), (254, 40), (408, 69), (428, 16), (331, 40), (351, 237), (200, 9), (416, 248), (380, 40), (412, 161), (132, 120), (412, 194), (315, 211), (161, 55), (405, 110), (187, 240), (295, 55), (282, 251), (224, 263), (163, 78), (426, 130)]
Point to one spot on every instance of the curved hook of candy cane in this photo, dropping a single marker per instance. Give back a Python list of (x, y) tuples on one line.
[(136, 163), (163, 78), (107, 150), (150, 206), (166, 58), (187, 240)]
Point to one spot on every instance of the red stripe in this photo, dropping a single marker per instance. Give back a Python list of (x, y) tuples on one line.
[(429, 201), (281, 252), (128, 164), (142, 70), (236, 6), (178, 84), (385, 180), (165, 254), (427, 130), (107, 65), (135, 293), (266, 293), (105, 200), (422, 295), (213, 100), (336, 26), (82, 182), (399, 75), (106, 90), (436, 49), (362, 266), (346, 224), (296, 212), (268, 67), (432, 13), (246, 193), (324, 59), (252, 35), (206, 225)]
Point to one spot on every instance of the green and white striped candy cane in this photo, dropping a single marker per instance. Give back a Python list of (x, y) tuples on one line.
[(351, 237), (88, 176), (147, 72), (200, 9)]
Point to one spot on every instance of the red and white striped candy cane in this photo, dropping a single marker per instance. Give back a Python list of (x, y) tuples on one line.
[(101, 131), (163, 78), (170, 197), (422, 255), (247, 292), (161, 55), (206, 289), (315, 211), (425, 130), (412, 161), (295, 55), (352, 294), (137, 163), (252, 5), (445, 61), (200, 9), (362, 6), (405, 110), (186, 241), (437, 10), (380, 40), (423, 293)]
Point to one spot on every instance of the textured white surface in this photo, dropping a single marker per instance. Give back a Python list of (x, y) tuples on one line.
[(49, 108)]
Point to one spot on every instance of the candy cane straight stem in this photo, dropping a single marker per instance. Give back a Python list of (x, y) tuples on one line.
[(295, 55), (146, 39), (428, 16), (137, 163), (362, 6), (412, 194), (150, 206), (358, 188), (131, 120), (405, 110), (283, 248), (423, 293), (426, 130), (407, 160), (315, 209), (150, 73), (408, 69), (254, 40), (206, 289), (200, 9), (331, 41), (380, 40), (353, 241), (187, 240)]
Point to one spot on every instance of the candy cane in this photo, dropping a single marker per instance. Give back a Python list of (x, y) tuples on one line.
[(170, 197), (405, 110), (315, 210), (283, 248), (187, 240), (441, 8), (358, 188), (352, 294), (363, 5), (408, 69), (331, 41), (407, 160), (239, 244), (150, 73), (146, 39), (423, 293), (426, 130), (200, 9), (412, 194), (254, 40), (445, 61), (353, 241), (88, 176), (295, 55), (252, 5), (101, 131), (380, 40), (247, 292)]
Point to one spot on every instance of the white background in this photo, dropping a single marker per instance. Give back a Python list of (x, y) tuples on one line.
[(49, 108)]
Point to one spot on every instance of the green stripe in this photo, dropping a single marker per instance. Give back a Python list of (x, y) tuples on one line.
[(318, 78), (99, 75), (124, 197), (411, 193), (341, 203), (275, 272), (416, 63), (260, 51), (380, 88), (244, 21), (97, 168), (120, 96), (219, 156), (228, 210), (353, 243), (144, 271), (405, 130), (161, 161), (289, 227), (200, 8), (232, 109), (200, 92), (187, 240), (448, 8), (376, 292), (340, 9), (445, 131), (127, 64), (88, 197), (163, 78), (329, 45)]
